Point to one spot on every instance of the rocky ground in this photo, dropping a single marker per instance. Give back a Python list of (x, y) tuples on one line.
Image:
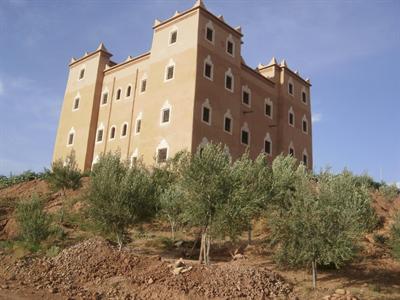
[(95, 269)]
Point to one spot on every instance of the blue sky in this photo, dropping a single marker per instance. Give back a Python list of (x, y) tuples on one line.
[(349, 49)]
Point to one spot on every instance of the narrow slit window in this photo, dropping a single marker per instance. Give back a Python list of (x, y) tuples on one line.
[(82, 74), (228, 124), (99, 135), (228, 82), (118, 96), (305, 126), (267, 147), (76, 103), (229, 47), (268, 110), (304, 97), (170, 72), (143, 86), (210, 34), (291, 119), (124, 130), (305, 159), (138, 125), (104, 98), (206, 115), (208, 70), (128, 91), (173, 38), (165, 115), (70, 139), (246, 98), (290, 88), (112, 132)]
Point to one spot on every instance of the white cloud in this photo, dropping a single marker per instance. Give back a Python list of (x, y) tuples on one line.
[(398, 184), (315, 118)]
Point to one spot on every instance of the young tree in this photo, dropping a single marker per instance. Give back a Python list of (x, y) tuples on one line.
[(317, 224), (166, 178), (251, 187), (206, 184), (64, 174), (119, 195), (33, 222)]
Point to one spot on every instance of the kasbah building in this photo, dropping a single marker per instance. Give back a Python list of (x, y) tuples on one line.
[(193, 87)]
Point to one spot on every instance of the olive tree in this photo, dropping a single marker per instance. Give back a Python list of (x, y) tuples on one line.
[(119, 195), (317, 223), (206, 185)]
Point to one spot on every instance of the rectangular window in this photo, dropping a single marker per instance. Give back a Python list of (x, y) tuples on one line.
[(228, 82), (104, 99), (304, 97), (245, 137), (268, 110), (70, 139), (267, 147), (162, 155), (76, 104), (138, 125), (229, 47), (291, 151), (124, 130), (246, 98), (304, 126), (100, 135), (210, 34), (118, 96), (206, 115), (228, 124), (143, 86), (165, 116), (173, 37), (290, 88), (170, 72), (305, 159), (291, 119), (208, 71)]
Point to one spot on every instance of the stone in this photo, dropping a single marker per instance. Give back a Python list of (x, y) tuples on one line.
[(340, 292), (179, 263), (177, 271), (150, 281)]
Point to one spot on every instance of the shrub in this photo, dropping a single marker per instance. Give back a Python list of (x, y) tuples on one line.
[(389, 192), (64, 175), (395, 237), (23, 177), (33, 222), (119, 196)]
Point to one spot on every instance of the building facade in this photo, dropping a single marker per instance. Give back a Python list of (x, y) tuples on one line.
[(191, 88)]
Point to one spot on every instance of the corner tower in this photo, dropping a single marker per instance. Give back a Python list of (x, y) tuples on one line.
[(79, 113)]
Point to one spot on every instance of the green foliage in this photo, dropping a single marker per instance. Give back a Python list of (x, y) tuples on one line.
[(33, 222), (251, 182), (23, 177), (64, 175), (395, 237), (119, 196), (171, 207), (317, 222), (389, 191)]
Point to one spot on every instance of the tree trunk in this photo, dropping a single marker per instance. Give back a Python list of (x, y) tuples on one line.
[(249, 235), (172, 231), (119, 241), (208, 249), (201, 248), (314, 274)]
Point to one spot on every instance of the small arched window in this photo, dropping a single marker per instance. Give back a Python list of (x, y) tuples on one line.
[(124, 130), (112, 132), (128, 91), (118, 95)]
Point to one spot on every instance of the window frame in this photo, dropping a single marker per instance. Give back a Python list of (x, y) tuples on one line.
[(173, 31), (207, 105), (78, 97), (210, 26), (161, 146), (81, 75), (113, 129), (270, 103), (245, 128), (118, 94), (304, 121), (137, 121), (246, 89), (229, 73), (208, 61), (228, 115), (230, 39), (124, 126), (291, 113), (105, 92), (171, 64), (143, 81), (290, 87), (100, 129), (71, 132), (128, 89), (267, 138)]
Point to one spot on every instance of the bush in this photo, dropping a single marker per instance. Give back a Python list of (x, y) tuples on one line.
[(33, 222), (64, 175), (395, 237), (389, 192), (23, 177)]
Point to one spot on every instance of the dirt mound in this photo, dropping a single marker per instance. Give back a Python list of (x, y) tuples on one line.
[(96, 269)]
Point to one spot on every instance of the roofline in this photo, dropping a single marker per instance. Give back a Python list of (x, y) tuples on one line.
[(184, 13), (89, 55), (258, 74), (136, 58), (290, 71)]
